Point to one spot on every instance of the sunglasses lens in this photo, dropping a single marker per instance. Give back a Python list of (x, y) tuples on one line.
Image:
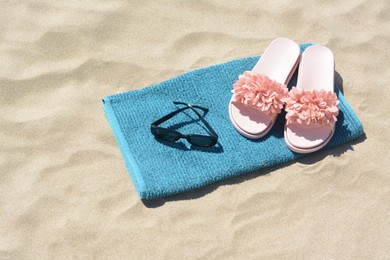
[(202, 140), (165, 134)]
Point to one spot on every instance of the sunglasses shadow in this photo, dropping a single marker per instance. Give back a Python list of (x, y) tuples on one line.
[(185, 146)]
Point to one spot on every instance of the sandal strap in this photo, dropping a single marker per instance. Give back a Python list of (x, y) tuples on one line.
[(259, 91), (318, 107)]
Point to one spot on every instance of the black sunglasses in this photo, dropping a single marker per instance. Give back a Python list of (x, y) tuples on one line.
[(172, 135)]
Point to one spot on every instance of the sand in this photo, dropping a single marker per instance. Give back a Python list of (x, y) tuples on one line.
[(64, 189)]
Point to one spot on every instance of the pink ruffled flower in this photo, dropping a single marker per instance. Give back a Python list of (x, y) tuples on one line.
[(259, 91), (318, 106)]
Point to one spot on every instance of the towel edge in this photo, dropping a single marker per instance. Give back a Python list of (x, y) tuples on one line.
[(130, 162)]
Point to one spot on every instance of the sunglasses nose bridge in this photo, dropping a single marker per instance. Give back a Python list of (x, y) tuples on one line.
[(178, 135), (187, 137)]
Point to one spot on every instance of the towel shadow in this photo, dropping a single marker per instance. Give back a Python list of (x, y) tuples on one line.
[(335, 151), (203, 191)]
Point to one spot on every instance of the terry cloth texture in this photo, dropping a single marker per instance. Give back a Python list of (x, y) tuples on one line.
[(161, 168)]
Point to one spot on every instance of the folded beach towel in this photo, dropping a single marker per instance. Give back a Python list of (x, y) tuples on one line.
[(161, 168)]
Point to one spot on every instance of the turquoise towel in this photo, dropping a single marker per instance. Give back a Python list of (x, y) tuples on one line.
[(161, 168)]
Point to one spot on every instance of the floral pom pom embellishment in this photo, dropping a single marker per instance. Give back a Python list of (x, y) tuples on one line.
[(259, 91), (306, 107)]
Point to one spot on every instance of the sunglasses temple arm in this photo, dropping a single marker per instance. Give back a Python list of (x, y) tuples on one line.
[(169, 116), (188, 105), (205, 122)]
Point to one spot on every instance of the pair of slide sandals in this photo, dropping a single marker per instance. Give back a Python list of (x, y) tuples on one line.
[(311, 107)]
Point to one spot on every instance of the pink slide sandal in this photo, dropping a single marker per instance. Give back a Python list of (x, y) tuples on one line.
[(312, 105), (258, 95)]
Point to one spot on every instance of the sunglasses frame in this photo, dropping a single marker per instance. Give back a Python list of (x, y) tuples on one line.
[(213, 138)]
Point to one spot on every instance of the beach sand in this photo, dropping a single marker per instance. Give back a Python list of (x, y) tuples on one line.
[(64, 189)]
